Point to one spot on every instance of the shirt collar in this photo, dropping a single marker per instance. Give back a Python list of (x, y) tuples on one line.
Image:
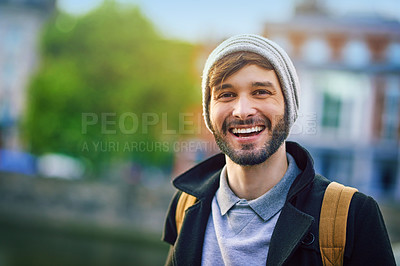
[(267, 205), (225, 197)]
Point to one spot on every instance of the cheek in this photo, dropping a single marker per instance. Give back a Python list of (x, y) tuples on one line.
[(217, 114), (213, 114), (274, 112)]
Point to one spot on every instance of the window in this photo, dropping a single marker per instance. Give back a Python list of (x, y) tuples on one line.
[(391, 109), (342, 104), (331, 110), (356, 53), (316, 51), (385, 172), (393, 53)]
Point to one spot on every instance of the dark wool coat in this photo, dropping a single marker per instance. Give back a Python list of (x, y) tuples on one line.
[(295, 238)]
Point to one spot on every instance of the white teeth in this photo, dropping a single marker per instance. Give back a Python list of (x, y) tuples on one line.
[(246, 130)]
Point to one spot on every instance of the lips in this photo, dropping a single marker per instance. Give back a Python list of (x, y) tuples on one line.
[(243, 132), (247, 129)]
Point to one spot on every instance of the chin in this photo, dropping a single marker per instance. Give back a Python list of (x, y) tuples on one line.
[(247, 155)]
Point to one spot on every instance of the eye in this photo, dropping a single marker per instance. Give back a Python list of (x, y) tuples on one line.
[(226, 95), (262, 92)]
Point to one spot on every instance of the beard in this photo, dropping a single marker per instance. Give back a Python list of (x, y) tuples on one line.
[(248, 154)]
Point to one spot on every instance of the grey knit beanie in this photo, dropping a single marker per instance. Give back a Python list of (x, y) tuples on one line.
[(269, 50)]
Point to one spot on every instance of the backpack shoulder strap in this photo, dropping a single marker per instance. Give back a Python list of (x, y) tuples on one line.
[(333, 222), (184, 202)]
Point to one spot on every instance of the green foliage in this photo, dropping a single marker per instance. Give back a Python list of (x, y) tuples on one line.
[(110, 61)]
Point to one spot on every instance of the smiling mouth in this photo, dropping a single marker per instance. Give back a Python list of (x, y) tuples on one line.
[(247, 132)]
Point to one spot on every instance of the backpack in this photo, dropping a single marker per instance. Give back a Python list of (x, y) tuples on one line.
[(332, 224)]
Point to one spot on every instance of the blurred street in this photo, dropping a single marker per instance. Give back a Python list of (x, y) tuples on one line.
[(64, 222)]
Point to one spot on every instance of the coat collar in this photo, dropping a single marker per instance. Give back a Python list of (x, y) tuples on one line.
[(202, 180)]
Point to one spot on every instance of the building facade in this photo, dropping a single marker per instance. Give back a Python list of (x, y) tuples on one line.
[(349, 69), (20, 26)]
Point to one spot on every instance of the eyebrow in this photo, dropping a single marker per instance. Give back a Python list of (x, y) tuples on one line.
[(254, 84), (262, 84), (266, 84), (222, 87)]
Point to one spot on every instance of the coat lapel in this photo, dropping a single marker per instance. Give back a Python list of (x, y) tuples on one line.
[(189, 248), (291, 227)]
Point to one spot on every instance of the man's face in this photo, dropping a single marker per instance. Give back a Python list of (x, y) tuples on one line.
[(247, 113)]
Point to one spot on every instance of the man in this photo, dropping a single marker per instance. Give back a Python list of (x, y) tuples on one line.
[(259, 202)]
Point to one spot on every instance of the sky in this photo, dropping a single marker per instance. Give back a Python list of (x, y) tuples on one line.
[(197, 20)]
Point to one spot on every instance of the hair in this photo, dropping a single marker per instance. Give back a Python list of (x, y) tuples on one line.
[(232, 63)]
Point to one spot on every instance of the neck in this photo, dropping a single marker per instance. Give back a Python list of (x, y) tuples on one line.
[(250, 182)]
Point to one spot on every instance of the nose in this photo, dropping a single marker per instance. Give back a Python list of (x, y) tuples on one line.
[(243, 108)]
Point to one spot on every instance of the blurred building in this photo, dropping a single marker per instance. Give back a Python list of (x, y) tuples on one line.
[(20, 26), (349, 68)]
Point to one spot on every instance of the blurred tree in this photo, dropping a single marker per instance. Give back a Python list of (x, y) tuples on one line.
[(111, 65)]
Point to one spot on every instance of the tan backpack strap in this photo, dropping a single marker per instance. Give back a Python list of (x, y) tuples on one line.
[(333, 223), (184, 202)]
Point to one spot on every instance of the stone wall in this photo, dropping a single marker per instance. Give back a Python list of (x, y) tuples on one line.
[(101, 203)]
